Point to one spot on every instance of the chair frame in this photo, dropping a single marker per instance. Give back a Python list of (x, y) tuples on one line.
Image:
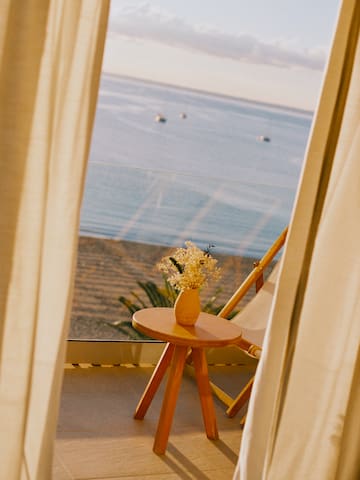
[(256, 277)]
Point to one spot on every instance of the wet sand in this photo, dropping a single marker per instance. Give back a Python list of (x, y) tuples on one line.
[(107, 269)]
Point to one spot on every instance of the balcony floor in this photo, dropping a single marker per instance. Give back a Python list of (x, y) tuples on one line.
[(97, 437)]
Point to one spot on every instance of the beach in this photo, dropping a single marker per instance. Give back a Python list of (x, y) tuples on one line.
[(109, 268), (206, 178)]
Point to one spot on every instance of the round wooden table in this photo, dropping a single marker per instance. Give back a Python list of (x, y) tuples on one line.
[(209, 331)]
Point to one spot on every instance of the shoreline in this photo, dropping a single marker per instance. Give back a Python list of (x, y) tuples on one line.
[(107, 269)]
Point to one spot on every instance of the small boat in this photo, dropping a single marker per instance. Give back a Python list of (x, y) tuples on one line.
[(160, 118), (183, 115), (263, 138)]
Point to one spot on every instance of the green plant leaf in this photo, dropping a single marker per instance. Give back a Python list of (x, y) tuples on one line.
[(132, 307), (156, 297), (166, 297)]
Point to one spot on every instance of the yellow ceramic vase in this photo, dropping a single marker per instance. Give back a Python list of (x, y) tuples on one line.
[(187, 307)]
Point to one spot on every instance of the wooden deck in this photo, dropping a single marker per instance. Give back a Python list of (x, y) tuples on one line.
[(97, 437)]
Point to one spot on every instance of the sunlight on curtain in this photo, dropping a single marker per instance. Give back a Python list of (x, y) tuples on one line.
[(301, 415), (50, 62)]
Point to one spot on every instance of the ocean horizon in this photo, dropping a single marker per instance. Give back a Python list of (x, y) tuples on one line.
[(301, 111), (202, 175)]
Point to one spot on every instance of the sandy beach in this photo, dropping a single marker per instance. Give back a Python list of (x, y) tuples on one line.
[(107, 269)]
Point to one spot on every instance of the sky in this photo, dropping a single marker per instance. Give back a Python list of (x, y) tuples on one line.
[(272, 51)]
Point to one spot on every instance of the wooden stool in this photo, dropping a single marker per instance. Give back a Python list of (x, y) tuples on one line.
[(209, 331)]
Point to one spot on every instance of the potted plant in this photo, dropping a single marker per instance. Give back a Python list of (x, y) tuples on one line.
[(188, 270)]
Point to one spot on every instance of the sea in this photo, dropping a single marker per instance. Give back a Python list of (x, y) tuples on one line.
[(205, 174)]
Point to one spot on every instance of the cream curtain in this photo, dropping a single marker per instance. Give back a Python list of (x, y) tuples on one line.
[(50, 63), (303, 420)]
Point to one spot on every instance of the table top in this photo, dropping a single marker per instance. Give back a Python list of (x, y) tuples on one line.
[(209, 330)]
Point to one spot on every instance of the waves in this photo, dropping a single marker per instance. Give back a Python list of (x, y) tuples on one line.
[(204, 178)]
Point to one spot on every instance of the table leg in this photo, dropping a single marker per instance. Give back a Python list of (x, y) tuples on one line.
[(207, 404), (169, 401), (154, 382)]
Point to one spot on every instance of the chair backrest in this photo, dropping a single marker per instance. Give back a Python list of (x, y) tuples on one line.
[(254, 316), (254, 275)]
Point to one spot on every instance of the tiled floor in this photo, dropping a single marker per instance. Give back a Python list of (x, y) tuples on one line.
[(98, 438)]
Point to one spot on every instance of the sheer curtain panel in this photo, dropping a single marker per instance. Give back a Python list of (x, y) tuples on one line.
[(303, 420), (50, 62)]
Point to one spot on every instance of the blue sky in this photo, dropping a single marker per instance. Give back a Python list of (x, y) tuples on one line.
[(273, 51)]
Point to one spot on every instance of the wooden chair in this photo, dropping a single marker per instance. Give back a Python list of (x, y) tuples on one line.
[(252, 318)]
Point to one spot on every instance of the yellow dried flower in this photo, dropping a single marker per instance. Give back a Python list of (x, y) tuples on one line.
[(189, 267)]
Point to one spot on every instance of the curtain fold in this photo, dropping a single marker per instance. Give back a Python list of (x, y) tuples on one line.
[(50, 63), (301, 415)]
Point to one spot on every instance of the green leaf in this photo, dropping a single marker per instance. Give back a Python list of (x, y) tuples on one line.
[(132, 307), (166, 297), (156, 297), (137, 297)]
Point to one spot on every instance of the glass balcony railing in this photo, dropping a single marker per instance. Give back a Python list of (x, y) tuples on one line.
[(219, 171)]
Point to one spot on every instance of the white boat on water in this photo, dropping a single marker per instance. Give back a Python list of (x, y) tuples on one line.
[(160, 118), (263, 138)]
